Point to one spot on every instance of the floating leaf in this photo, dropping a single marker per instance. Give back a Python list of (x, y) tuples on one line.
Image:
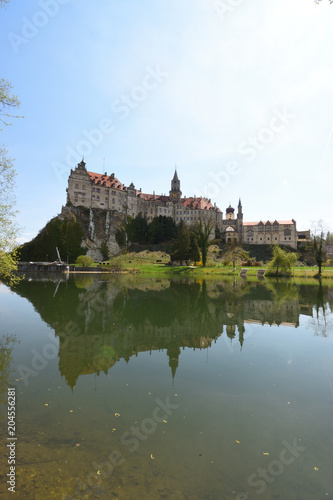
[(152, 457), (265, 453), (117, 415), (237, 441), (316, 468)]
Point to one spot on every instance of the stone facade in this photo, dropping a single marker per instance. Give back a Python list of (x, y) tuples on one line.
[(270, 232), (106, 192)]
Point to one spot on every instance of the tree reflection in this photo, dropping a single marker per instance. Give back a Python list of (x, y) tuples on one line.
[(101, 322), (7, 343)]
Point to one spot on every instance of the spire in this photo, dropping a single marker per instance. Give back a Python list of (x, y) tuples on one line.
[(239, 203), (175, 177)]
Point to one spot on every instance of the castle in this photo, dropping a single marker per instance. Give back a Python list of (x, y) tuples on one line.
[(106, 192)]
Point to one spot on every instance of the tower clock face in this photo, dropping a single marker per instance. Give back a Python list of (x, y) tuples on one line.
[(174, 195)]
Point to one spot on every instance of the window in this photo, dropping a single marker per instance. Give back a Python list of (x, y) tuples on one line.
[(83, 186), (98, 190), (76, 186), (113, 201), (93, 190), (93, 197), (97, 198)]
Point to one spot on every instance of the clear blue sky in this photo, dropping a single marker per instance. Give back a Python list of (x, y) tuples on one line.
[(237, 93)]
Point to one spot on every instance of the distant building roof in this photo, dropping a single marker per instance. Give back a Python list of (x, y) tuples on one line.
[(230, 210), (106, 180), (285, 222), (199, 204)]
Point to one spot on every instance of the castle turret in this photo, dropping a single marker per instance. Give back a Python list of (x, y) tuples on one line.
[(175, 193), (230, 212), (240, 211)]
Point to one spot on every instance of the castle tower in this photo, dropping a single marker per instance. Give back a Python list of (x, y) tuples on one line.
[(175, 193), (240, 211), (230, 213)]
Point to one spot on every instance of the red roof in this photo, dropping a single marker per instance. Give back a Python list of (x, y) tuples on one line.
[(271, 222), (105, 180), (199, 204)]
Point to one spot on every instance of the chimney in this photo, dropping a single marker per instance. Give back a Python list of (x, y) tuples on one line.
[(106, 174)]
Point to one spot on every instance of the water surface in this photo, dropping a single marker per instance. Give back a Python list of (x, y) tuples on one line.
[(134, 388)]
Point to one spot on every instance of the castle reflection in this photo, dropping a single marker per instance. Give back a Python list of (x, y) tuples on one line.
[(99, 323)]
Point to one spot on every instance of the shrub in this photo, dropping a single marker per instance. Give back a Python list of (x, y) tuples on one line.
[(84, 261)]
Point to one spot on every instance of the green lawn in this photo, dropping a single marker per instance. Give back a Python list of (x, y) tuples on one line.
[(156, 263)]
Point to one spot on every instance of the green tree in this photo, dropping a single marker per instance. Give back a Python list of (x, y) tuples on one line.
[(8, 227), (329, 238), (84, 261), (319, 251), (8, 102), (137, 229), (194, 249), (181, 248), (203, 231), (281, 262), (318, 239), (161, 229), (66, 234)]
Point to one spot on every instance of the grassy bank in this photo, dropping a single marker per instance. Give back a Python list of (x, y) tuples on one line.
[(156, 264)]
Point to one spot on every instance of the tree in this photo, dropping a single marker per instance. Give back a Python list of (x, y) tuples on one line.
[(161, 229), (318, 238), (235, 253), (194, 249), (203, 231), (84, 261), (281, 262), (8, 227), (7, 101), (181, 247), (329, 238), (137, 229)]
